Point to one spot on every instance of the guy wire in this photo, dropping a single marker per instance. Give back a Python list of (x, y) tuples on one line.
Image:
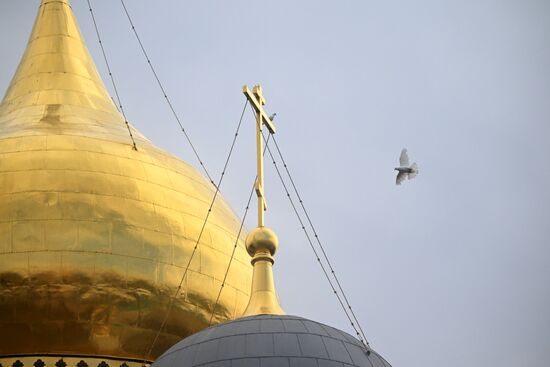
[(172, 299), (121, 109), (164, 92), (357, 328), (317, 238)]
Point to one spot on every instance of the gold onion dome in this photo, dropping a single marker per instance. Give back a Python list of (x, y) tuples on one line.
[(94, 235)]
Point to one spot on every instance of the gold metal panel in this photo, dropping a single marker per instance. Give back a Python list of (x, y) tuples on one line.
[(44, 269), (127, 240), (182, 253), (5, 237), (61, 235), (158, 245), (76, 143), (95, 236), (17, 161), (37, 205), (28, 236)]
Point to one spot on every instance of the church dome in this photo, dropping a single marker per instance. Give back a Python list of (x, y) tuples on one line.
[(270, 340), (95, 236)]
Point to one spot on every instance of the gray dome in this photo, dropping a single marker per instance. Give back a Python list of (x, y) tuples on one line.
[(270, 341)]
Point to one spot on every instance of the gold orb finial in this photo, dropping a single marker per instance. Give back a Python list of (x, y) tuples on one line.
[(261, 240), (261, 244)]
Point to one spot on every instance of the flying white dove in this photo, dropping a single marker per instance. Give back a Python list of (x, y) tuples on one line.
[(404, 170)]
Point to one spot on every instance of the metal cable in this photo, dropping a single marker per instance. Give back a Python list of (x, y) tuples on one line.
[(318, 240), (232, 255), (170, 305), (359, 334), (121, 109), (164, 92), (236, 242)]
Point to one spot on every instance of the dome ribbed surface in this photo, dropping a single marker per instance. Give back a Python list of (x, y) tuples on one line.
[(270, 340)]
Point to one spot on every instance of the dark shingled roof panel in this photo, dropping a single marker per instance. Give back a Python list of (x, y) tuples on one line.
[(270, 341)]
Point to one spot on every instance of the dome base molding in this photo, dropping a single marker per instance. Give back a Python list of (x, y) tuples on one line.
[(61, 360)]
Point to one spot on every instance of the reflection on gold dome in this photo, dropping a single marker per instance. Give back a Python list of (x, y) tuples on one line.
[(94, 236)]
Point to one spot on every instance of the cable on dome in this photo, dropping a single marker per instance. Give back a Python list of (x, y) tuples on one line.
[(232, 254), (349, 314), (178, 289), (164, 92), (121, 109), (318, 240), (236, 241)]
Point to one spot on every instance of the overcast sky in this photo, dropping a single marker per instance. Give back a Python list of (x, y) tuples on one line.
[(450, 269)]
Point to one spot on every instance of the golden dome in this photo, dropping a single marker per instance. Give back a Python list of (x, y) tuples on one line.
[(94, 235)]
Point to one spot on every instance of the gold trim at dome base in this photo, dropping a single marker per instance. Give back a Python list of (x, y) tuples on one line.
[(69, 361)]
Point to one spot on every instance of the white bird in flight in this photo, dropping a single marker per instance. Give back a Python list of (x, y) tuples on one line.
[(404, 170)]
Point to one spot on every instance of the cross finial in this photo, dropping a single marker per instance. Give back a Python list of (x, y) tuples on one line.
[(257, 100), (261, 242)]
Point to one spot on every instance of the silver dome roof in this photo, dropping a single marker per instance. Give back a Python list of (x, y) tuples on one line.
[(270, 340)]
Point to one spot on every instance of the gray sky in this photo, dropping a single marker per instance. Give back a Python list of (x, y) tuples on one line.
[(450, 269)]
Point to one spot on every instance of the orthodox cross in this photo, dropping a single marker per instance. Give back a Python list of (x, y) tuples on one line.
[(257, 101)]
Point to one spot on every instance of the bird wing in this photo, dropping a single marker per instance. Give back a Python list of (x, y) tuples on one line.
[(404, 158), (401, 176), (414, 168)]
